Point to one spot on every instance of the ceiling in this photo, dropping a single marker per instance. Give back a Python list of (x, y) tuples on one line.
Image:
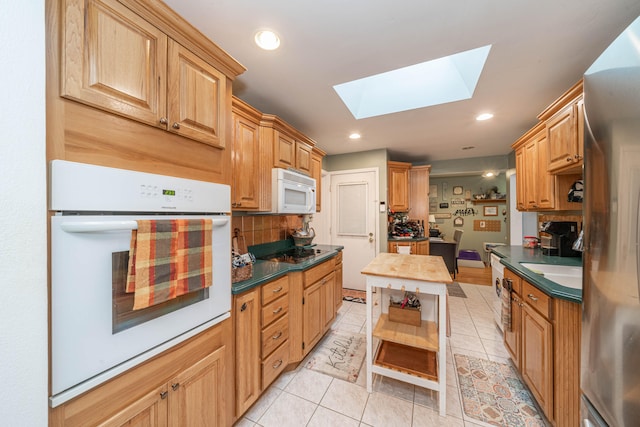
[(539, 50)]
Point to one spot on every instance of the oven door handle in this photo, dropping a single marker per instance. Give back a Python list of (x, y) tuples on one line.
[(101, 226)]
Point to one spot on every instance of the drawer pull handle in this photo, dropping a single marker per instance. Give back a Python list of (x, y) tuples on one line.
[(277, 364), (175, 386), (275, 291), (276, 336), (532, 298), (163, 395), (244, 306), (277, 310)]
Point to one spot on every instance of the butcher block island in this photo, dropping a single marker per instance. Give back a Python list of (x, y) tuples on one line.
[(403, 350)]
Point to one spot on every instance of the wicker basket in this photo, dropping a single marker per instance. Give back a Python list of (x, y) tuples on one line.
[(238, 274)]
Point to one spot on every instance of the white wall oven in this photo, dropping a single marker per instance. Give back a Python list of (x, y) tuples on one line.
[(96, 332)]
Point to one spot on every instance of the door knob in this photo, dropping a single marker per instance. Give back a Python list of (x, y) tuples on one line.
[(370, 237)]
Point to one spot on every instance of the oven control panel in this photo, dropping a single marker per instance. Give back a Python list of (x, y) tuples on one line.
[(81, 187)]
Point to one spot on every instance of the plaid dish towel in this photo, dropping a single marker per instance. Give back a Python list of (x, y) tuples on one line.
[(505, 297), (169, 258)]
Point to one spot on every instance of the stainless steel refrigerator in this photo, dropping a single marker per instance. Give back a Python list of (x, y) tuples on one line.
[(610, 358)]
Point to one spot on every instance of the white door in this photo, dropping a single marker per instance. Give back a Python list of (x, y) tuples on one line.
[(354, 221)]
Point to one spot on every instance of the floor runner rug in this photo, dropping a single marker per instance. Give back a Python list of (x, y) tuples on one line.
[(354, 296), (339, 354), (493, 393), (455, 290)]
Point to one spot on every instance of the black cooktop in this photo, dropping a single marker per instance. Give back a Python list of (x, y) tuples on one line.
[(294, 255)]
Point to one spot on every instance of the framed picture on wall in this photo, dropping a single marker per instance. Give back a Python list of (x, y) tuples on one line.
[(458, 222), (490, 211), (457, 190)]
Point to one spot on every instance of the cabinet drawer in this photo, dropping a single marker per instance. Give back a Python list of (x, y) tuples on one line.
[(275, 289), (536, 299), (275, 364), (516, 281), (274, 335), (274, 310), (318, 272), (338, 258)]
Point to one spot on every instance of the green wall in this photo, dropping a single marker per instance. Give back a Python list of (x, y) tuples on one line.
[(476, 185)]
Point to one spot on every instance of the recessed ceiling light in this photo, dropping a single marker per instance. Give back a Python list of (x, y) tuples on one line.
[(267, 40), (484, 116), (488, 174), (355, 135), (469, 147)]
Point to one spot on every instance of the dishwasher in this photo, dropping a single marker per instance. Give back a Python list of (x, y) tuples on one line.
[(497, 273)]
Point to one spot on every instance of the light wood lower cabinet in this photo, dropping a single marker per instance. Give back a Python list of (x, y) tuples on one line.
[(338, 282), (188, 385), (246, 309), (544, 344), (415, 247)]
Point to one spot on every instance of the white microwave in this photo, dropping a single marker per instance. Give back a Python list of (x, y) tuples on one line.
[(292, 192)]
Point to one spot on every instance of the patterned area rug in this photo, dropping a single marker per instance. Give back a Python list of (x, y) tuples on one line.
[(455, 290), (354, 296), (493, 393), (339, 354)]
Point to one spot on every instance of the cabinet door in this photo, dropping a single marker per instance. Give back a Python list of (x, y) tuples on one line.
[(398, 183), (284, 151), (316, 173), (312, 309), (328, 300), (537, 357), (338, 286), (148, 411), (546, 183), (303, 157), (512, 338), (419, 192), (246, 152), (196, 395), (114, 60), (422, 248), (197, 97), (247, 311), (563, 138), (521, 176), (531, 170)]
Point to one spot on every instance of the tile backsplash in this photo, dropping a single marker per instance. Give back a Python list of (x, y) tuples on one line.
[(259, 229)]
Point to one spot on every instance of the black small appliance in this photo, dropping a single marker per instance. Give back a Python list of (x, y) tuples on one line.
[(563, 234)]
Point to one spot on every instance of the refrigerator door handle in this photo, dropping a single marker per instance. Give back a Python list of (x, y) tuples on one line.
[(638, 243)]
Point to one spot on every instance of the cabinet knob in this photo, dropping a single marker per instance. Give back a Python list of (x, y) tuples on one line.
[(163, 120), (176, 125), (175, 386), (577, 157), (569, 159), (243, 307), (532, 297), (163, 395)]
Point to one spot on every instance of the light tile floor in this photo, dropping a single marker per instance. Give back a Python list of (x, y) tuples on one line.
[(308, 398)]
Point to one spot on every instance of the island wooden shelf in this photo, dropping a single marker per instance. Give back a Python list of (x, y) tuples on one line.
[(424, 337), (408, 360)]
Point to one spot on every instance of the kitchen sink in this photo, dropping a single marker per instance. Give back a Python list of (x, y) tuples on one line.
[(565, 275)]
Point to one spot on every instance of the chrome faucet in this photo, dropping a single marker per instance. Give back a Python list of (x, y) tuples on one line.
[(578, 245)]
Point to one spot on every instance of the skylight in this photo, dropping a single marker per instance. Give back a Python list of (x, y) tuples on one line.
[(439, 81)]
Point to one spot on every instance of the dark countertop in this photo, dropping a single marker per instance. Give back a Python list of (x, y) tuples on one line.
[(512, 256), (266, 271), (406, 239)]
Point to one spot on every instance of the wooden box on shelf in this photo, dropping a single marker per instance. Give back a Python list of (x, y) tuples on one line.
[(407, 315)]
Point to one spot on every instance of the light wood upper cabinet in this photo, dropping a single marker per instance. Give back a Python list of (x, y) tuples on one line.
[(284, 151), (521, 203), (245, 194), (564, 122), (419, 192), (115, 60), (290, 147), (303, 157), (196, 97), (316, 173), (398, 185)]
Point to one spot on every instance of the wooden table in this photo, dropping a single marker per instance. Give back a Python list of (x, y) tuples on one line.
[(413, 354)]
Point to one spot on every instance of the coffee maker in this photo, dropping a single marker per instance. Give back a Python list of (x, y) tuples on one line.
[(562, 235)]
